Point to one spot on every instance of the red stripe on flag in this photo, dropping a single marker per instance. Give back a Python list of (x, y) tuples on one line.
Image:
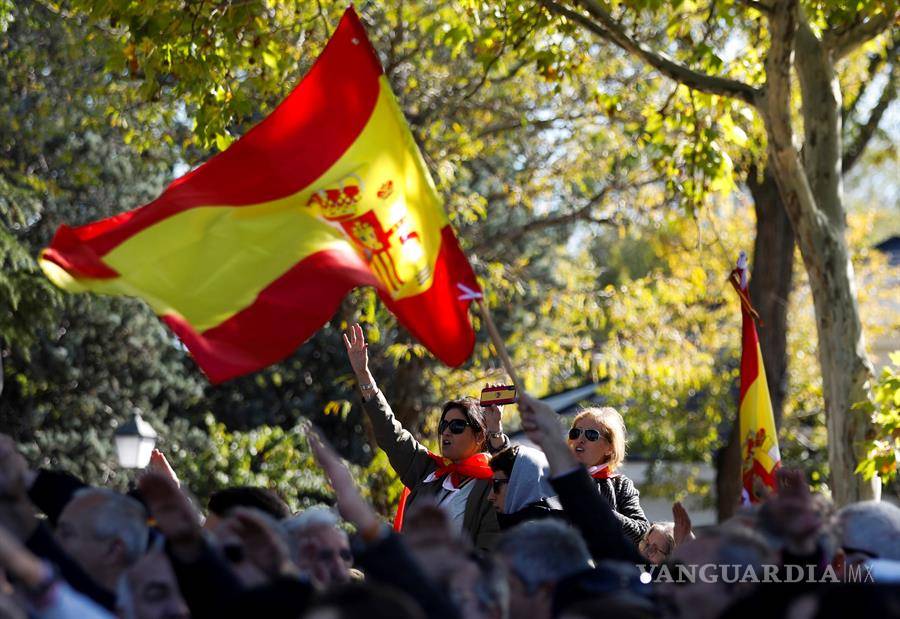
[(284, 153), (437, 317), (749, 354), (283, 316)]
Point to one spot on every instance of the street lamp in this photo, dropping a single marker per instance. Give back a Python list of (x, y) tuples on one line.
[(135, 441)]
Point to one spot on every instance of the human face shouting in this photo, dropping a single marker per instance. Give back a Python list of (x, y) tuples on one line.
[(590, 452), (458, 438)]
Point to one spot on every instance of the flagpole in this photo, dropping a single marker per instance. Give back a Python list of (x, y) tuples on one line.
[(499, 345)]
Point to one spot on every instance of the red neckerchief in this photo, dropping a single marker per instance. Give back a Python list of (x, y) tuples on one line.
[(477, 467), (600, 472)]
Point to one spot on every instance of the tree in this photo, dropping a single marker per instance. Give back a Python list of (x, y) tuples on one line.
[(809, 184)]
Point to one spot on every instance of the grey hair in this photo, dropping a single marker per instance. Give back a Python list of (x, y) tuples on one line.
[(121, 517), (492, 588), (544, 551), (872, 526), (666, 529), (312, 518)]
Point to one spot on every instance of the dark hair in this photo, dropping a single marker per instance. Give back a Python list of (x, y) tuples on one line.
[(360, 599), (263, 499), (504, 461), (474, 414)]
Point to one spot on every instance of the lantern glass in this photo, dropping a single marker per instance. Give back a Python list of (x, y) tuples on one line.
[(134, 451)]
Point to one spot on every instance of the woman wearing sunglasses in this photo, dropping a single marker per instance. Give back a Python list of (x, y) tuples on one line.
[(459, 479), (597, 439)]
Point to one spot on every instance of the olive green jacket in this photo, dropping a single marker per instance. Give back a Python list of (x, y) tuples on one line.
[(409, 458)]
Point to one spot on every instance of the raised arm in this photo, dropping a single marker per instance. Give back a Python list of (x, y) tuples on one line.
[(383, 555), (582, 503), (407, 456)]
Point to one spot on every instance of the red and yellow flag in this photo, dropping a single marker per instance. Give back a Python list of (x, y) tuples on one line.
[(248, 255), (759, 440)]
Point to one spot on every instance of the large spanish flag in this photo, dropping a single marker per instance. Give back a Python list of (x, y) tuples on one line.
[(248, 255), (759, 439)]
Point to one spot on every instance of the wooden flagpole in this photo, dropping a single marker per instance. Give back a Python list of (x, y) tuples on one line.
[(499, 345)]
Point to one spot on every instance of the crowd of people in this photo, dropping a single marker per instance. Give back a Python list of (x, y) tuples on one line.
[(486, 529)]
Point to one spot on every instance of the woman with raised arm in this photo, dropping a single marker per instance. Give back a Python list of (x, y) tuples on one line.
[(459, 479)]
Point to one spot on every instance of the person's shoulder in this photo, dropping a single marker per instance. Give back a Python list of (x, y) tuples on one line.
[(622, 482)]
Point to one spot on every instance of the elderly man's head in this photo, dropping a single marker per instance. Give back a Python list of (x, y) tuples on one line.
[(104, 531), (149, 590), (729, 547), (320, 546), (537, 555), (866, 530)]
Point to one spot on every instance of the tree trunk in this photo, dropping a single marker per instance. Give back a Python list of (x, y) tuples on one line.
[(770, 287), (813, 201), (771, 280)]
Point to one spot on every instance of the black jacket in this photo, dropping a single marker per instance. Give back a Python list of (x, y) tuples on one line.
[(624, 498), (592, 516), (534, 511)]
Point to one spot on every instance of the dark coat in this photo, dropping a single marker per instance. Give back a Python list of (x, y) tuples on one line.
[(535, 511), (624, 498)]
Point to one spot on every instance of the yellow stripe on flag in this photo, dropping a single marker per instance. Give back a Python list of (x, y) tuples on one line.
[(217, 259)]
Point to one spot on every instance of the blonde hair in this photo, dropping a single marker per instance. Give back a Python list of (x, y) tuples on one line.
[(610, 420)]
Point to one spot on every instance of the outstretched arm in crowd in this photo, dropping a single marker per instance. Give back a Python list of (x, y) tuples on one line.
[(581, 501), (407, 456), (384, 556), (47, 595), (206, 582), (17, 515)]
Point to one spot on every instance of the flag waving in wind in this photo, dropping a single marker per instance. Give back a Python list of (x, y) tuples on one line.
[(759, 440), (248, 255)]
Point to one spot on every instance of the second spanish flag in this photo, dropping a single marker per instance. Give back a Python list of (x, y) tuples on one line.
[(248, 255)]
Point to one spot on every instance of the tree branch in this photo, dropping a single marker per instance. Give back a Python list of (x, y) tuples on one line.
[(875, 63), (867, 130), (604, 26), (841, 41)]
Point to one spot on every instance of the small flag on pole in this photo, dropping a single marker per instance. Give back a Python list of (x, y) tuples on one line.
[(248, 255), (759, 440)]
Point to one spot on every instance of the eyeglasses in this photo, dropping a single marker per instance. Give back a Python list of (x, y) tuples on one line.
[(457, 426), (590, 434), (497, 484)]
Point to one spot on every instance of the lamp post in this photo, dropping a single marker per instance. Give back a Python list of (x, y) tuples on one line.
[(135, 440)]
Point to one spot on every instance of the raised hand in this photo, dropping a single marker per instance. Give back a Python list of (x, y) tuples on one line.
[(492, 415), (263, 546), (350, 503), (159, 464), (791, 512), (173, 512), (541, 424), (358, 352), (682, 520)]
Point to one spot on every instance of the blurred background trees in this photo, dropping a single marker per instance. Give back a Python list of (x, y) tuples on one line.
[(602, 205)]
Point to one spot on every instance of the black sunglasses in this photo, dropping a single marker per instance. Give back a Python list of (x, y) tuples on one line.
[(496, 484), (457, 426), (590, 434)]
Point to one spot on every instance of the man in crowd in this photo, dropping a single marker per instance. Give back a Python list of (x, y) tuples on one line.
[(320, 546)]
